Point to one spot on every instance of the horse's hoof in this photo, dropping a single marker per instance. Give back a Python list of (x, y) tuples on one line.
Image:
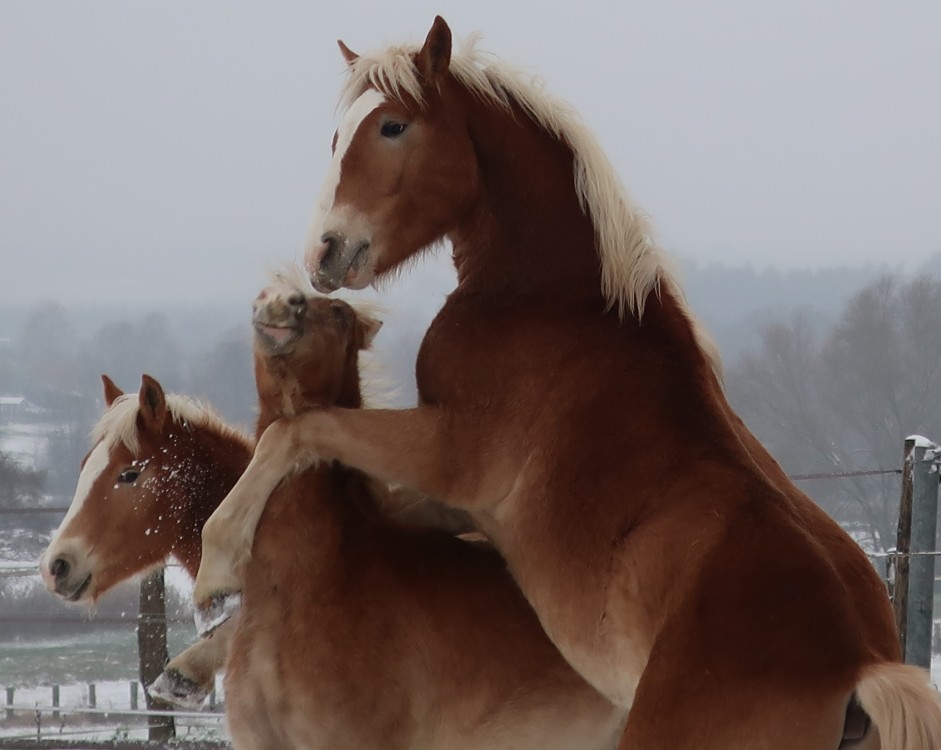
[(219, 608), (172, 687)]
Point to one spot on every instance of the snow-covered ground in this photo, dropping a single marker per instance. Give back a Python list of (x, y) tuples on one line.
[(77, 719), (111, 717)]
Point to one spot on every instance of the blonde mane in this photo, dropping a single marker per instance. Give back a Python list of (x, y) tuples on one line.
[(632, 264), (118, 425)]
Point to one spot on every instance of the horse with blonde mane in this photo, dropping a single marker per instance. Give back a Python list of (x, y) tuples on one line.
[(572, 404), (159, 466)]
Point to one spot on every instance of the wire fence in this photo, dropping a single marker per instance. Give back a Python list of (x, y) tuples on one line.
[(47, 720), (845, 474)]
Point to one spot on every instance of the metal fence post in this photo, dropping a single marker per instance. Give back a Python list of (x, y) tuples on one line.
[(922, 462)]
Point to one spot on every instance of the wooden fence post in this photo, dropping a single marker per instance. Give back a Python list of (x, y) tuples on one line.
[(903, 545), (152, 651), (10, 692), (916, 547)]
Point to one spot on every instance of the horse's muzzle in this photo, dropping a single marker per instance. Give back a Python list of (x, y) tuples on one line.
[(336, 263), (64, 578)]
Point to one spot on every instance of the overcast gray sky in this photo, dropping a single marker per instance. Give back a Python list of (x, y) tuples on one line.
[(174, 149)]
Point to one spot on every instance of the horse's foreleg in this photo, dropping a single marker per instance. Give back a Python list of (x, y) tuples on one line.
[(408, 446), (228, 534), (189, 677), (227, 541), (418, 509)]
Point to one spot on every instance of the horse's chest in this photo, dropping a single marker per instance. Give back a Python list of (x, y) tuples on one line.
[(467, 356)]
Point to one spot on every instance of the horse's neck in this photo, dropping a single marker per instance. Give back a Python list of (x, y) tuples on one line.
[(529, 231), (209, 469), (530, 241), (283, 393), (322, 504)]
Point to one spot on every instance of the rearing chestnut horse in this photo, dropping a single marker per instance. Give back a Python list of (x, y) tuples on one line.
[(569, 401)]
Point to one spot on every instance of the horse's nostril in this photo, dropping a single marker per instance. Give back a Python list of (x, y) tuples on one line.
[(333, 242), (60, 568), (296, 300)]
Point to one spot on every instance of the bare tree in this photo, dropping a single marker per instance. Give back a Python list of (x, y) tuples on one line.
[(845, 401), (20, 486), (223, 375), (125, 349), (46, 349)]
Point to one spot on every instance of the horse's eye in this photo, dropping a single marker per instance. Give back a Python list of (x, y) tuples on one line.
[(340, 311), (392, 129), (128, 476)]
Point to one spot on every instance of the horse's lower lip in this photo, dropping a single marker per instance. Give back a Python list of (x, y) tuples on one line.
[(277, 334), (77, 594), (324, 284)]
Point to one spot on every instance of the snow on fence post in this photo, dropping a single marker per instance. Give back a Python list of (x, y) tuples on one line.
[(918, 519)]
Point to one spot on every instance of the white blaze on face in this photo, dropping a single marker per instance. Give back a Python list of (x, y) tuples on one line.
[(367, 102), (97, 462)]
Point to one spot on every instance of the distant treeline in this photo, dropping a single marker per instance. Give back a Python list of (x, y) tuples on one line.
[(831, 368)]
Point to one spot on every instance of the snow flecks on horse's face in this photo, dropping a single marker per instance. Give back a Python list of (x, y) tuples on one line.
[(154, 458)]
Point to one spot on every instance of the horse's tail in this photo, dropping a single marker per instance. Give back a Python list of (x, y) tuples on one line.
[(903, 705)]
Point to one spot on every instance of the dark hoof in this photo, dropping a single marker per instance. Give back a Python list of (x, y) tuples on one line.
[(217, 610), (172, 687)]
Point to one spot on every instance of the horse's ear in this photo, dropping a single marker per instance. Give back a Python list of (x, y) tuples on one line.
[(370, 327), (153, 404), (435, 55), (112, 392), (348, 54)]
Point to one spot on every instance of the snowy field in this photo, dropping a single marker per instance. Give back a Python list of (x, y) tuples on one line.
[(110, 719), (102, 712)]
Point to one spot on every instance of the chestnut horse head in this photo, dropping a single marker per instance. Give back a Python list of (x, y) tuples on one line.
[(159, 465), (435, 146), (306, 350)]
